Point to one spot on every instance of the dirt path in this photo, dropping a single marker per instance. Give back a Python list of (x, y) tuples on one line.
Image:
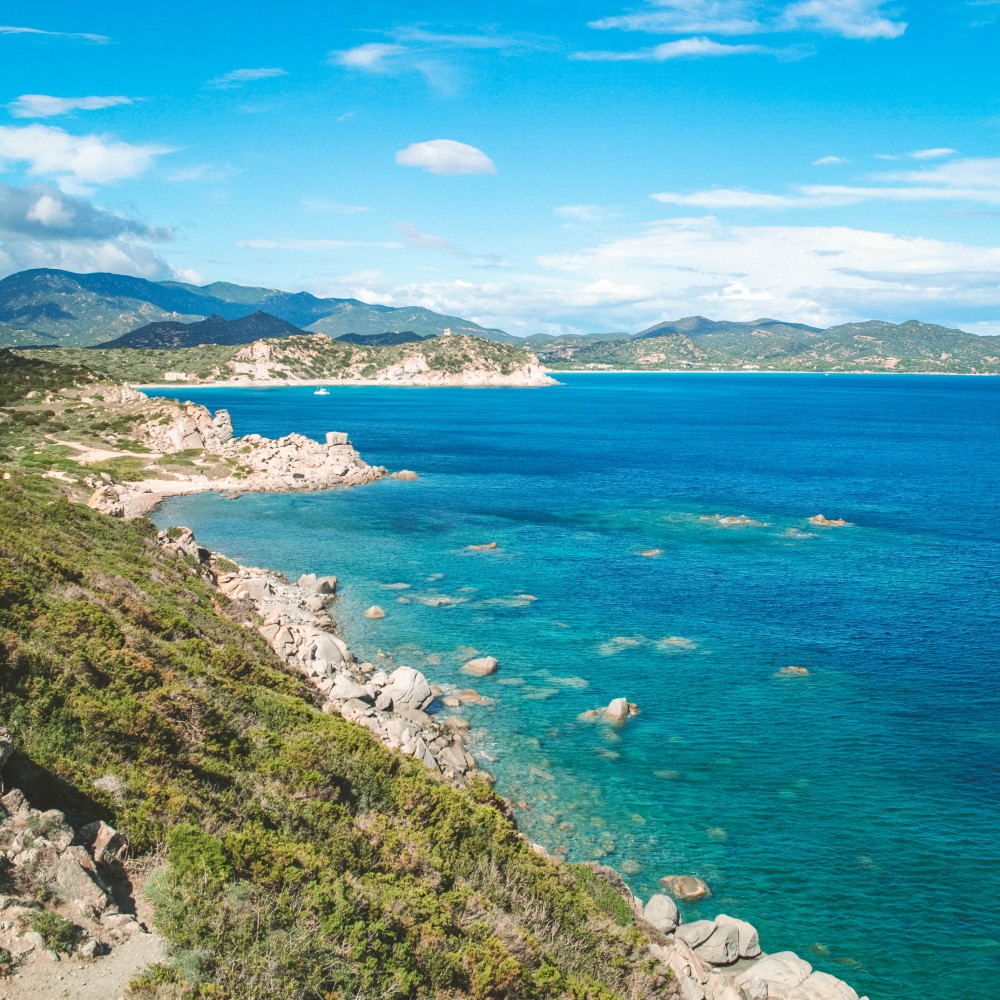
[(86, 455), (77, 979)]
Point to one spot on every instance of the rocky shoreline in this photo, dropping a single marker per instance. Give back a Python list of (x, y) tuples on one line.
[(718, 959)]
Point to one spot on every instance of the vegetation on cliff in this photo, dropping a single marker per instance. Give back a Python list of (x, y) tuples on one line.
[(294, 856), (304, 357)]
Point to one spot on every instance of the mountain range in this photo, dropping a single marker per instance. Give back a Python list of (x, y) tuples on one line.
[(51, 308)]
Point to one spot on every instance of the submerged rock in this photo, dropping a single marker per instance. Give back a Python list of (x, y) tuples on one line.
[(792, 672), (827, 522), (489, 546), (481, 666), (686, 887)]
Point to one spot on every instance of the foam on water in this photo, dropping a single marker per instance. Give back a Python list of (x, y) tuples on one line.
[(852, 812)]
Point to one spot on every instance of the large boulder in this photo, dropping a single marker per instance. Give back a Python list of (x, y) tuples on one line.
[(721, 947), (481, 666), (695, 933), (617, 710), (322, 585), (344, 689), (749, 940), (783, 969), (408, 688), (661, 912)]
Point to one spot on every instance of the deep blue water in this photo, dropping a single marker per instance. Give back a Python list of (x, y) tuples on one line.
[(854, 814)]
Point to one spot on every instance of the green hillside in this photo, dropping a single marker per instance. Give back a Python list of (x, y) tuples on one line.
[(47, 307), (288, 855)]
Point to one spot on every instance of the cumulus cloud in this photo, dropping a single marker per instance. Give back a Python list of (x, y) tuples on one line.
[(858, 19), (815, 274), (238, 77), (46, 106), (446, 157), (971, 180), (45, 213), (683, 48), (79, 36), (41, 226), (75, 161)]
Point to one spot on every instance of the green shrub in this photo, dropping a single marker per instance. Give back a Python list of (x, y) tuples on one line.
[(58, 933)]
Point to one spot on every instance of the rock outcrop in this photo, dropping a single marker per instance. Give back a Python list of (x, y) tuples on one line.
[(74, 871), (297, 625)]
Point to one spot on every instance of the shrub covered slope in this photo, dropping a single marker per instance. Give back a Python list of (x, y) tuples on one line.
[(305, 860)]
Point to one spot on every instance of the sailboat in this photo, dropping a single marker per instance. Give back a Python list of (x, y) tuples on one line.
[(322, 391)]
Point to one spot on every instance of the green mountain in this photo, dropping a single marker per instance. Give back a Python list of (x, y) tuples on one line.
[(214, 330), (51, 308), (699, 344)]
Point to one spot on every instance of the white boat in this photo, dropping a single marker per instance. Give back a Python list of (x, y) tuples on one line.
[(321, 392)]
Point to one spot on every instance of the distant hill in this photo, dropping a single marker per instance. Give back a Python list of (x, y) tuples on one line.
[(214, 330), (45, 307), (699, 344)]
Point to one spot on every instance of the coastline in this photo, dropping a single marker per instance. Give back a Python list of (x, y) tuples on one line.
[(743, 371)]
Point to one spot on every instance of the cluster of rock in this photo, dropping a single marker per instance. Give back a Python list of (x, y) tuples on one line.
[(721, 959), (43, 857), (295, 621), (258, 464)]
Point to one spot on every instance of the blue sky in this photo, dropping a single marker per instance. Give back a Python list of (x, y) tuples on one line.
[(561, 167)]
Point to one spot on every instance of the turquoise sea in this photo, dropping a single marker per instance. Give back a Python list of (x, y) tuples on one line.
[(852, 814)]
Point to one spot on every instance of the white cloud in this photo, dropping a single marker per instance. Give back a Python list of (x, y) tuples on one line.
[(45, 106), (829, 161), (585, 213), (859, 19), (375, 57), (42, 212), (446, 157), (82, 36), (311, 246), (932, 154), (41, 226), (237, 77), (971, 180), (683, 48), (75, 161), (815, 274)]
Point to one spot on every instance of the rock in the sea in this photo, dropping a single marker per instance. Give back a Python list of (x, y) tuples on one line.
[(827, 522), (685, 887), (652, 553), (792, 672), (661, 912), (407, 475), (749, 940), (483, 548), (408, 688), (375, 612), (481, 666), (318, 584), (617, 710)]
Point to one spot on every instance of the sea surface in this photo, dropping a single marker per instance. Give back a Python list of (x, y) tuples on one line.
[(853, 814)]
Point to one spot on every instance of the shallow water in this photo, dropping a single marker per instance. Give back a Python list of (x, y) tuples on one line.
[(851, 814)]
